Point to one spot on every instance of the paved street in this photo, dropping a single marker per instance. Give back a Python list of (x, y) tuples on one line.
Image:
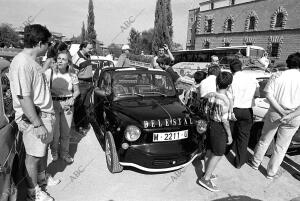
[(88, 179)]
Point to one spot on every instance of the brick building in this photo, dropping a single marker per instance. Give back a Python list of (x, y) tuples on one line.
[(271, 24)]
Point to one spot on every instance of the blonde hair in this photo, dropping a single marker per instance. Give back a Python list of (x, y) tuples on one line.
[(70, 67)]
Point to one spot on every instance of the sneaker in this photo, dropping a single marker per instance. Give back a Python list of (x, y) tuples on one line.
[(272, 177), (208, 184), (48, 181), (43, 196), (68, 158), (37, 194), (251, 164)]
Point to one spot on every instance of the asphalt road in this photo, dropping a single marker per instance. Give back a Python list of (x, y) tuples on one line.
[(88, 179)]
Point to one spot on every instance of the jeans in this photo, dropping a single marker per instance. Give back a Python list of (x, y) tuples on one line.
[(62, 127), (81, 105), (285, 133)]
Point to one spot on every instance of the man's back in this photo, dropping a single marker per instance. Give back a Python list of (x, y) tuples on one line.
[(285, 87)]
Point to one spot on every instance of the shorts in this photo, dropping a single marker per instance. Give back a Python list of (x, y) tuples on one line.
[(174, 75), (217, 138), (35, 146)]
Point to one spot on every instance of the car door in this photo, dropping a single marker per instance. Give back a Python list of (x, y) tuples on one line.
[(8, 135)]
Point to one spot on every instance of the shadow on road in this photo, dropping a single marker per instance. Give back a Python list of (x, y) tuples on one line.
[(60, 165), (237, 198)]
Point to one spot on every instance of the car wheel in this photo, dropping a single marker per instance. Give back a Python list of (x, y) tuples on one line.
[(112, 158)]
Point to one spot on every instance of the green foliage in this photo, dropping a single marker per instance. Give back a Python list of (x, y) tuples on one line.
[(8, 36), (91, 33), (141, 58), (115, 49), (163, 30), (134, 41), (83, 33)]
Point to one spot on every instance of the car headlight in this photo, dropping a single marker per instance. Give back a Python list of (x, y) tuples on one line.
[(132, 133), (201, 126)]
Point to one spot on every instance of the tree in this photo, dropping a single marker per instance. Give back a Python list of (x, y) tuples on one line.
[(83, 33), (134, 41), (169, 18), (8, 36), (146, 41), (91, 33), (162, 25), (115, 50)]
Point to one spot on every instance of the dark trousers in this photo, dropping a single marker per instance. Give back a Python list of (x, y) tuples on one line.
[(241, 134), (81, 105)]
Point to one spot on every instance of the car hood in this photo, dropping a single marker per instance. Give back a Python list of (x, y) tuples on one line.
[(155, 113)]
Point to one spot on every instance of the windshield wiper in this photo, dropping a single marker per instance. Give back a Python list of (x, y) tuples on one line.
[(137, 94), (155, 92)]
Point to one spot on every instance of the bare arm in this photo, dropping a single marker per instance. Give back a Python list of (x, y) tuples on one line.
[(47, 64), (228, 131), (29, 110), (169, 52), (291, 115)]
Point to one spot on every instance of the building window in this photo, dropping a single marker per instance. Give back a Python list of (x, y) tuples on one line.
[(209, 25), (229, 25), (192, 19), (279, 20), (227, 44), (206, 45), (275, 50), (232, 2), (252, 23), (212, 5)]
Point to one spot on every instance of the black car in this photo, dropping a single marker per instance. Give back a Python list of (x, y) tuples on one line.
[(142, 121)]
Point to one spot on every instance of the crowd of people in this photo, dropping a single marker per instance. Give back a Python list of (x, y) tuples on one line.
[(47, 98), (230, 98)]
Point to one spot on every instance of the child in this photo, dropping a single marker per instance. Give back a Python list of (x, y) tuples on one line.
[(219, 134)]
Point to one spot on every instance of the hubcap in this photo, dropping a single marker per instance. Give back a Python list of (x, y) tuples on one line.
[(107, 152)]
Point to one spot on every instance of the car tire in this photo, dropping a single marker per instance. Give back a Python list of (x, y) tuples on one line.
[(112, 158)]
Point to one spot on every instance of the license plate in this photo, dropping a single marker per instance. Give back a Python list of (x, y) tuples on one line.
[(170, 136)]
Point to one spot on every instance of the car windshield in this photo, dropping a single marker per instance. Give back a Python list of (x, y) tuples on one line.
[(142, 84)]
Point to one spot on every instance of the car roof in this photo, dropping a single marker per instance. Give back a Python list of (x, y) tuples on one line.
[(131, 69), (102, 58)]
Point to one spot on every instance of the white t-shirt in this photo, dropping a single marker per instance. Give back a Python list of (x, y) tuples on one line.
[(26, 80), (208, 85), (243, 89), (62, 84), (285, 87)]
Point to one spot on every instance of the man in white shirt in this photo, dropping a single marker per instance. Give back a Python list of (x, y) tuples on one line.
[(283, 116), (244, 89), (34, 107), (208, 85)]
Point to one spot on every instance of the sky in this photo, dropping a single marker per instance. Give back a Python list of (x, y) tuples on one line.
[(67, 16)]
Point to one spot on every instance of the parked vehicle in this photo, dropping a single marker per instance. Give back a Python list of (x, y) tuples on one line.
[(12, 153), (142, 121)]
